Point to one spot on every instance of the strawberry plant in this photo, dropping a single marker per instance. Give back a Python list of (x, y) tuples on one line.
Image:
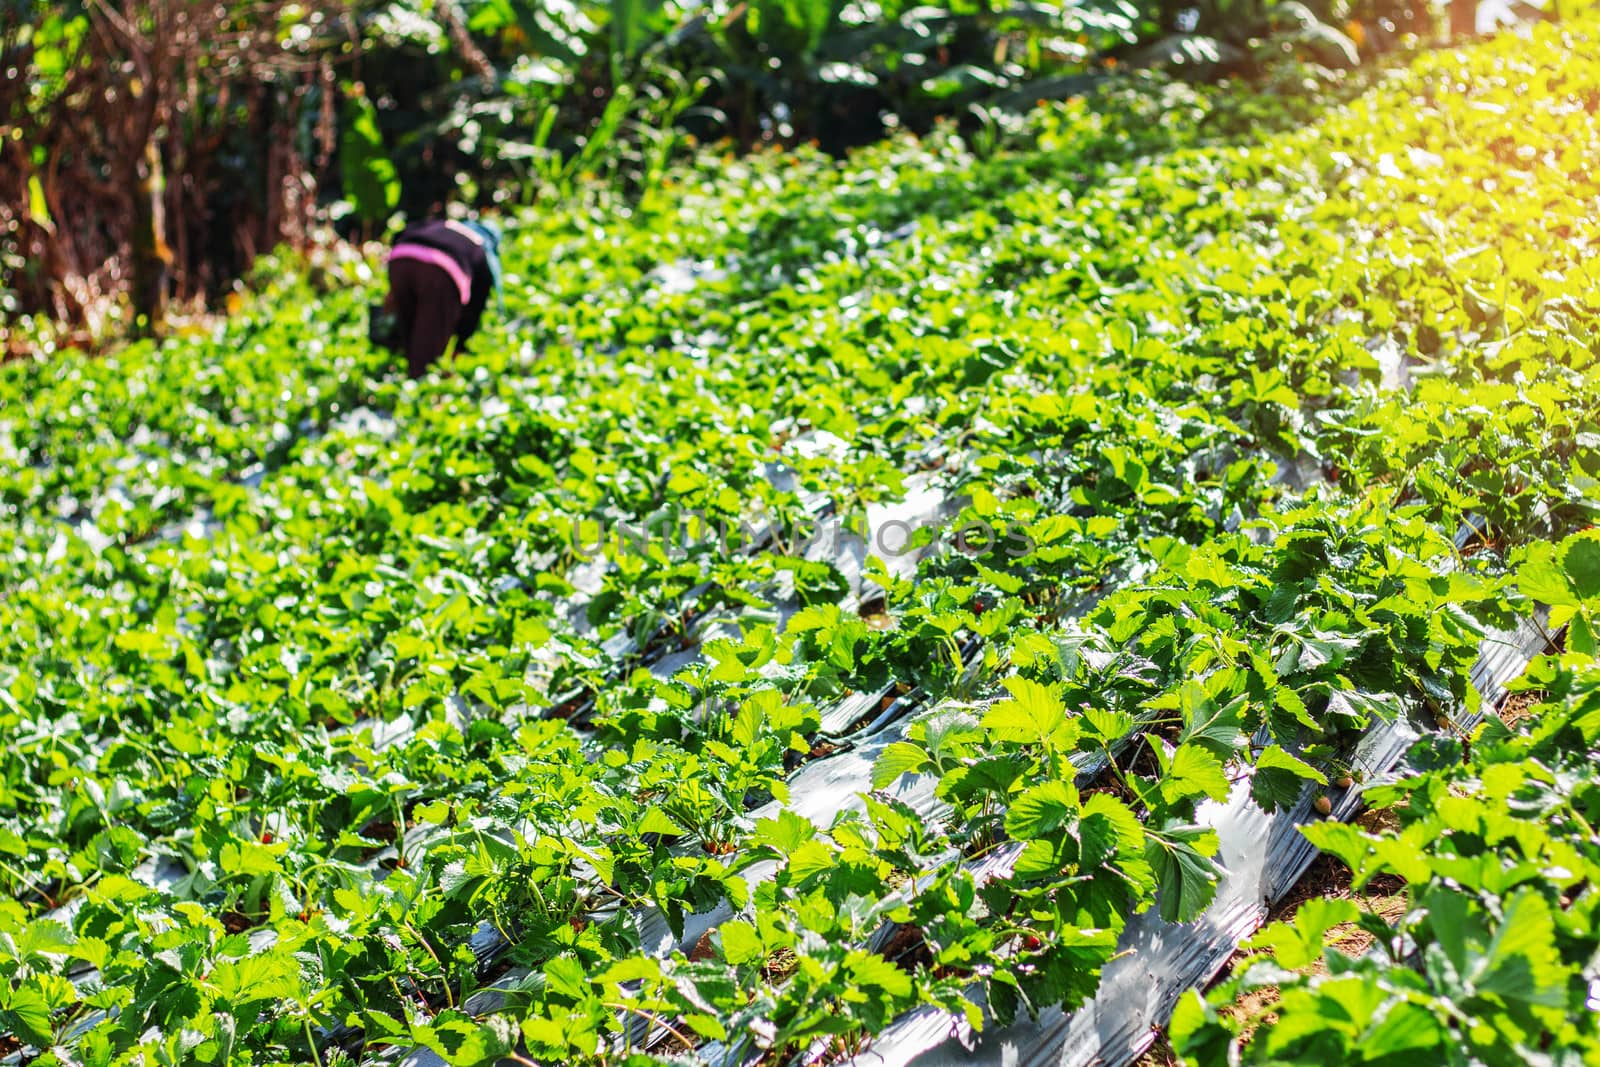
[(720, 669)]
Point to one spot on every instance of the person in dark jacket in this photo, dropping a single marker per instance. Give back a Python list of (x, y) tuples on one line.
[(440, 276)]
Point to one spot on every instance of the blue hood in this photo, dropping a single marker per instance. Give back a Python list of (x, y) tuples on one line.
[(491, 247)]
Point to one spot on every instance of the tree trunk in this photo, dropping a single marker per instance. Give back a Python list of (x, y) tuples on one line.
[(152, 259)]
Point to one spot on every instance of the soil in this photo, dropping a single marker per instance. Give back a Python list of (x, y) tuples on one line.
[(780, 965), (1159, 1054), (703, 949), (907, 949), (869, 608), (236, 922), (1518, 707)]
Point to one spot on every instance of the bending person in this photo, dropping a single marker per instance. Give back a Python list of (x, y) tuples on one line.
[(440, 274)]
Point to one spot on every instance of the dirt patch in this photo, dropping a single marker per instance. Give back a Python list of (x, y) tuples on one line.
[(1519, 707), (704, 949), (1254, 1007), (1329, 879), (236, 922), (1159, 1054), (780, 965), (823, 749), (907, 949)]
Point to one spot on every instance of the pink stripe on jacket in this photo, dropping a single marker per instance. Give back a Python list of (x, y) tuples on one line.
[(442, 260)]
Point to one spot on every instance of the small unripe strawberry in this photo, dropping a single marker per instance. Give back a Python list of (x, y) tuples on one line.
[(1323, 805)]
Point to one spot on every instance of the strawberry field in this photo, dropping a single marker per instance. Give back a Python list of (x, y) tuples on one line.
[(925, 608)]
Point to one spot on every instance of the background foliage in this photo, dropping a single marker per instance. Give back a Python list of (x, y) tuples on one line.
[(155, 147)]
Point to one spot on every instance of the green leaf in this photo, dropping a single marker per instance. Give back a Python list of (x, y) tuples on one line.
[(741, 943), (792, 29), (785, 833), (1196, 1031), (1289, 711), (42, 936), (1581, 636), (38, 207), (1542, 577), (1342, 841), (565, 977), (634, 23), (1207, 722), (870, 969), (370, 180), (1105, 725), (1299, 944), (1107, 829), (897, 758), (1193, 772), (1367, 854), (1515, 957), (1406, 1033), (810, 859), (142, 642), (1185, 872), (1580, 560), (1317, 650), (1523, 961), (28, 1013), (656, 821), (249, 858), (1032, 714), (1040, 858), (1042, 809), (1280, 778), (464, 1042), (267, 976)]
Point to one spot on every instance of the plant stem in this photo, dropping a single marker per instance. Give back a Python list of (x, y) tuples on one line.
[(49, 901), (653, 1019), (444, 975), (311, 1042), (399, 828)]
